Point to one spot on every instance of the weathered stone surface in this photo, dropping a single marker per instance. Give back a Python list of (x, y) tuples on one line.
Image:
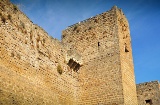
[(107, 75), (92, 65), (28, 63), (148, 93)]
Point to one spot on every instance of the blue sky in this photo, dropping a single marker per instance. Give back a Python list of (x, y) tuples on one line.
[(143, 16)]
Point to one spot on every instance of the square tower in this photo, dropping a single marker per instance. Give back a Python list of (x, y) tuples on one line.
[(106, 75)]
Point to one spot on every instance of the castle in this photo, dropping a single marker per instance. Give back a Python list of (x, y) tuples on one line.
[(92, 65)]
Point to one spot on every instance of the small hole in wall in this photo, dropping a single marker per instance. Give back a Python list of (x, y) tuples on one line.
[(98, 44), (3, 19), (148, 102), (126, 48)]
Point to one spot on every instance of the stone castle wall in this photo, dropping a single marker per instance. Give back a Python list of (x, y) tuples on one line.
[(29, 60), (148, 93), (102, 73), (92, 65), (98, 84), (127, 69)]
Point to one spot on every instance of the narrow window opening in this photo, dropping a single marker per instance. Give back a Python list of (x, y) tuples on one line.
[(98, 44), (148, 102), (126, 48)]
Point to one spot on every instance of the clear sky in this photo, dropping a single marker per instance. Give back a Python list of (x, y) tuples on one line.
[(143, 16)]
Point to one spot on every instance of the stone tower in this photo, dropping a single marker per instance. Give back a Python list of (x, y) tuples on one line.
[(106, 73), (92, 65)]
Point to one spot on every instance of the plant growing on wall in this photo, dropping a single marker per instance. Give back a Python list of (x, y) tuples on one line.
[(15, 7), (59, 69)]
